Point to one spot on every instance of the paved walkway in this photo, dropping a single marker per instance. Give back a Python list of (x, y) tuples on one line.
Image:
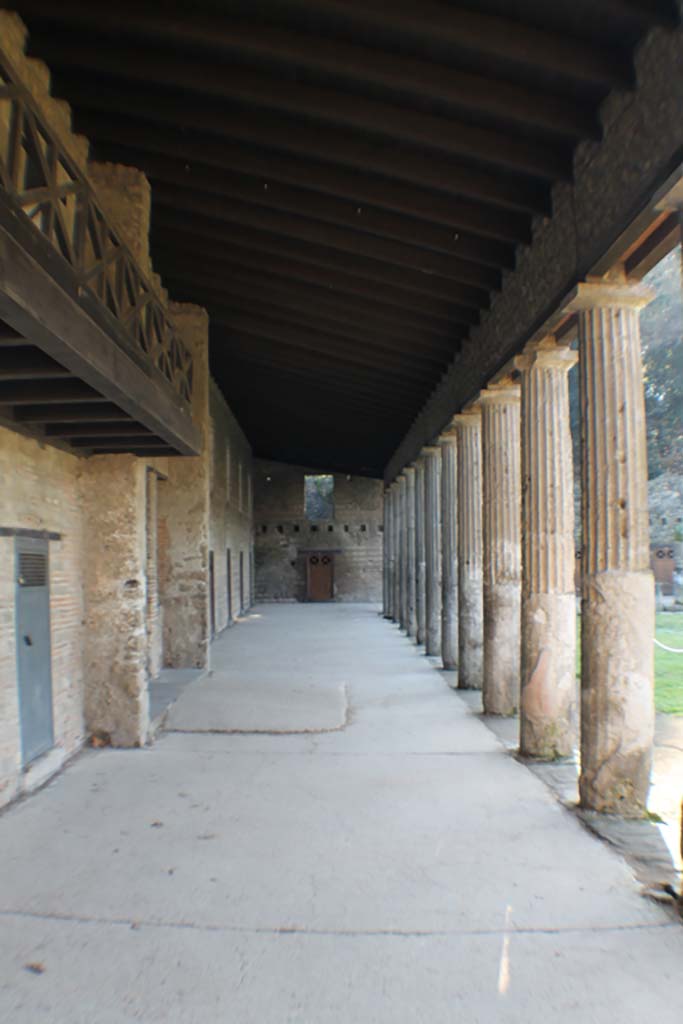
[(398, 867)]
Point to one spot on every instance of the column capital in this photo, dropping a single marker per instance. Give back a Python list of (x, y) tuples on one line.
[(508, 391), (470, 416), (430, 449), (409, 471), (449, 434), (600, 293), (547, 352)]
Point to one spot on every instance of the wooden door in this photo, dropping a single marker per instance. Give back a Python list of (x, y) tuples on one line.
[(320, 577)]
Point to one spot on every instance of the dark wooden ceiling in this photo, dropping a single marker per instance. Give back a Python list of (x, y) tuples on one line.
[(342, 183)]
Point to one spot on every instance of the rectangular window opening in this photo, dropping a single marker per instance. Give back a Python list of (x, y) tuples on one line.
[(319, 497)]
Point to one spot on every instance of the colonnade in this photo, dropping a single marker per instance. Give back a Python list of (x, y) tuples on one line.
[(480, 555)]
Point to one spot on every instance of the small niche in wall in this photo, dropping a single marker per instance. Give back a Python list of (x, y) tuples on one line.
[(279, 529), (264, 529), (296, 528), (330, 529), (380, 528), (314, 529), (363, 528), (346, 529)]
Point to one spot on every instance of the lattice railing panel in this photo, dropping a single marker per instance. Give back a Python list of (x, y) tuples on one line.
[(38, 174)]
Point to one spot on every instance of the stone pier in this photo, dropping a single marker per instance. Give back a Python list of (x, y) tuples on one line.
[(396, 524), (502, 548), (449, 549), (433, 549), (420, 578), (548, 711), (617, 705), (403, 552), (470, 553)]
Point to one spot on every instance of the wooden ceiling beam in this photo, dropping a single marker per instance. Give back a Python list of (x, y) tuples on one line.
[(305, 304), (20, 363), (368, 222), (354, 63), (403, 341), (332, 344), (264, 94), (26, 392), (327, 281), (68, 413), (311, 349), (304, 260), (114, 428), (328, 192), (338, 146)]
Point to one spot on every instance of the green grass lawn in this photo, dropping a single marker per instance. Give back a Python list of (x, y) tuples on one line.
[(668, 667)]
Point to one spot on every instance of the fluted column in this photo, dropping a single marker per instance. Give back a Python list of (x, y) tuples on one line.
[(396, 525), (502, 548), (402, 559), (470, 551), (420, 567), (433, 549), (548, 711), (386, 555), (411, 620), (617, 703), (448, 443)]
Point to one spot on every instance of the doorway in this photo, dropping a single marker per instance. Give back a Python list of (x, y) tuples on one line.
[(319, 576), (34, 671)]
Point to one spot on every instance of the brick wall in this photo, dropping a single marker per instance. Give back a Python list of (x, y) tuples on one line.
[(41, 490), (284, 537)]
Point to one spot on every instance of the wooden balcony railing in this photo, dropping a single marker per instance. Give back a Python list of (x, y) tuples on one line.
[(54, 196)]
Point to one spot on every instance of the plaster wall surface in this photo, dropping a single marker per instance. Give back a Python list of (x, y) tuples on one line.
[(283, 535)]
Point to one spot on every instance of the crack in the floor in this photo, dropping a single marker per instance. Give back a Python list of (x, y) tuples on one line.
[(137, 923)]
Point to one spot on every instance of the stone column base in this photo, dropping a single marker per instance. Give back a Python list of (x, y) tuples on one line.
[(549, 698), (501, 648), (471, 634), (617, 691)]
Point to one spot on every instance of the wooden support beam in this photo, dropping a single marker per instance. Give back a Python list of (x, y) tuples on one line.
[(348, 61), (114, 428), (422, 351), (372, 222), (124, 442), (359, 254), (304, 104), (386, 261), (149, 453), (325, 191), (39, 307), (320, 341), (439, 311), (30, 392), (427, 345), (346, 310), (336, 145), (20, 363), (44, 413)]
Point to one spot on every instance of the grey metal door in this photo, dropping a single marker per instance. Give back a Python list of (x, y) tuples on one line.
[(33, 647)]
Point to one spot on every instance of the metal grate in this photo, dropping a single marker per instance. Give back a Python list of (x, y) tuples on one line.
[(32, 569)]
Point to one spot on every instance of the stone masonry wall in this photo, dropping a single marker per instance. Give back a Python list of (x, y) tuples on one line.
[(283, 536)]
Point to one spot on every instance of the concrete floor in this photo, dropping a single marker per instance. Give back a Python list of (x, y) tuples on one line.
[(400, 866)]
